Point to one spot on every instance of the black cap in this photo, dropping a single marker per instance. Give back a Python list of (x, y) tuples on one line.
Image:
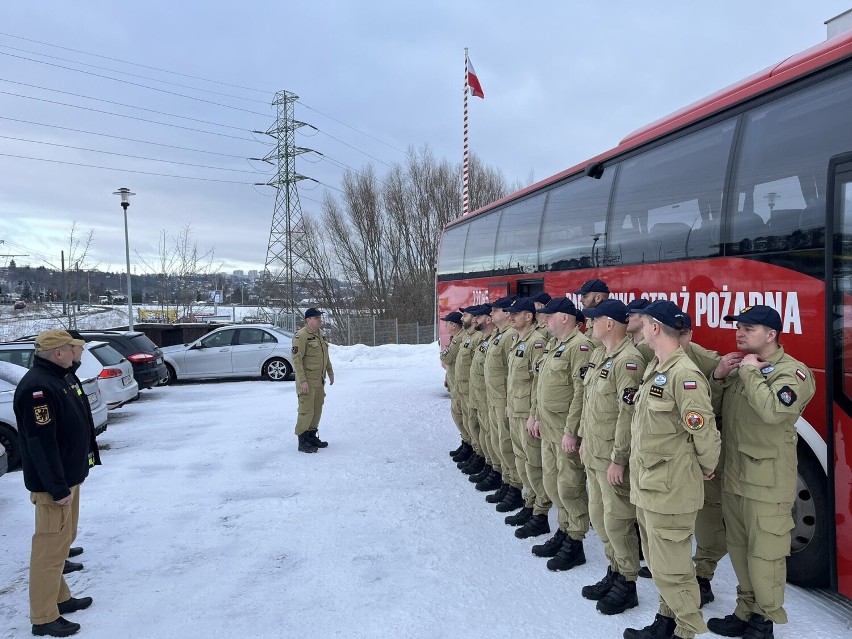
[(504, 302), (637, 305), (541, 298), (593, 286), (765, 315), (522, 304), (312, 312), (479, 310), (668, 313), (613, 309), (454, 317), (560, 305)]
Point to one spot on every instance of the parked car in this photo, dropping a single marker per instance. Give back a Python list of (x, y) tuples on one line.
[(4, 461), (19, 305), (10, 375), (257, 350), (114, 373)]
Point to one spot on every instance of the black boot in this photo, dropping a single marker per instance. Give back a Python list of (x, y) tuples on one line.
[(512, 500), (493, 481), (464, 454), (473, 468), (497, 497), (455, 452), (519, 518), (551, 546), (71, 566), (466, 460), (305, 445), (598, 591), (482, 474), (729, 626), (569, 556), (535, 526), (706, 591), (313, 437), (59, 627), (662, 628), (621, 597), (645, 572), (759, 628)]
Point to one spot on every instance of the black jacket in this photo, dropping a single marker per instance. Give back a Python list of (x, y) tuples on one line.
[(55, 429)]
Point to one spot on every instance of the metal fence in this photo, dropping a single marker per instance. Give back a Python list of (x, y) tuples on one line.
[(370, 330)]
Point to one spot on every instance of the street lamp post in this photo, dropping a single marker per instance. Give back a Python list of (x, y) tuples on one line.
[(125, 194)]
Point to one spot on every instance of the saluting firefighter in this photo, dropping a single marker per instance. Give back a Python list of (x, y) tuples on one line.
[(674, 449), (527, 349), (557, 406), (610, 386), (312, 364), (453, 324), (765, 391)]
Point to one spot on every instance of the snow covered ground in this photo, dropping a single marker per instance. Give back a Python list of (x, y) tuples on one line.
[(205, 521)]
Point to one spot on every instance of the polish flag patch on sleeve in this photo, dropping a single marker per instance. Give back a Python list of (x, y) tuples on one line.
[(690, 385), (801, 375), (631, 366), (38, 395), (584, 348)]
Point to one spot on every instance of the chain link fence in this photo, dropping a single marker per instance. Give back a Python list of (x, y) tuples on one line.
[(347, 330)]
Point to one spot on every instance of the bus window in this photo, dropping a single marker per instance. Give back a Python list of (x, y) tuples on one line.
[(782, 171), (517, 237), (843, 281), (668, 200), (479, 250), (575, 214), (451, 259)]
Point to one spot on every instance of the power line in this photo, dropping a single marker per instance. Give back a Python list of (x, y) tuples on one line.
[(350, 146), (351, 127)]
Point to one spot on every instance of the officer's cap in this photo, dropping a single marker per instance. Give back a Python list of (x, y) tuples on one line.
[(312, 312), (637, 305), (759, 314), (593, 286), (668, 313), (542, 298), (455, 317), (55, 338), (522, 304), (613, 309)]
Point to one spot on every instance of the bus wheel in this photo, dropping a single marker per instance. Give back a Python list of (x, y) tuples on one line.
[(808, 563)]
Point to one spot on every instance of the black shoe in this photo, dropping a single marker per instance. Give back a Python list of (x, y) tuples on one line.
[(535, 526), (598, 591), (759, 628), (511, 501), (477, 465), (519, 518), (662, 628), (71, 566), (551, 546), (706, 591), (464, 454), (455, 452), (481, 475), (569, 556), (305, 445), (313, 437), (645, 572), (497, 497), (493, 481), (58, 628), (729, 626), (470, 460), (76, 550), (621, 597), (73, 605)]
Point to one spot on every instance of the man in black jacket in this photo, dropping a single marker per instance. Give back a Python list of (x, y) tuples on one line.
[(57, 449)]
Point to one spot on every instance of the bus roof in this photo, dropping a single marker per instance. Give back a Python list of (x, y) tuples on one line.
[(817, 57)]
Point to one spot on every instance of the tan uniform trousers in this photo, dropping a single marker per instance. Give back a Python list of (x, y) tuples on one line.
[(528, 463), (667, 543), (484, 434), (711, 544), (490, 437), (758, 535), (55, 529), (458, 417), (564, 480), (614, 519), (472, 425), (506, 452), (310, 406)]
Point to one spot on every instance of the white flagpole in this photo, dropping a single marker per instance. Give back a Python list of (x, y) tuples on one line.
[(465, 202)]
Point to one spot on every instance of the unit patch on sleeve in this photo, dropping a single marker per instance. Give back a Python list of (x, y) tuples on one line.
[(787, 396), (41, 414), (693, 420), (629, 396), (583, 371), (295, 350)]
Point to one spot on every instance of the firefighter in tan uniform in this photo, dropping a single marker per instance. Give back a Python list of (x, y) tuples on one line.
[(510, 495), (469, 341), (611, 383), (490, 477), (453, 323), (592, 293), (674, 448), (765, 392), (312, 364), (527, 349), (540, 301), (557, 406)]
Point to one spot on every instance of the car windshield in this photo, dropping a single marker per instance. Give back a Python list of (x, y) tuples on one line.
[(106, 355), (143, 343), (281, 331)]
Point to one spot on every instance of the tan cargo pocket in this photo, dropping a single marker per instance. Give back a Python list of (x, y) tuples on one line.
[(654, 472), (672, 563), (773, 540), (660, 414), (51, 518), (758, 464)]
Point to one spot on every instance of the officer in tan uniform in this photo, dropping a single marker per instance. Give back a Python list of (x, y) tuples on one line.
[(312, 364), (469, 340), (634, 326), (490, 477), (500, 347), (527, 349), (540, 301), (453, 324), (557, 405), (610, 386), (592, 293), (674, 448), (765, 392)]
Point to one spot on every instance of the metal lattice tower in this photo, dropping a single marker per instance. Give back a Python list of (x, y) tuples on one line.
[(287, 233)]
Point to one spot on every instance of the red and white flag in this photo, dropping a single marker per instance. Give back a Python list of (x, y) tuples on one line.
[(473, 82)]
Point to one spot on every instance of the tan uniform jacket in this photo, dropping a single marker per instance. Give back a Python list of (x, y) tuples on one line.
[(674, 437), (646, 351), (448, 357), (706, 361), (610, 387), (478, 397), (497, 363), (760, 410), (310, 356), (523, 357), (559, 385), (463, 361)]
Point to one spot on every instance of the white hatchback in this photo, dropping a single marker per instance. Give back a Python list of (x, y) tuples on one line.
[(114, 373)]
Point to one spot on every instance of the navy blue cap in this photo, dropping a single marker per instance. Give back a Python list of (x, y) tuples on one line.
[(637, 305), (668, 313), (522, 304), (765, 315), (560, 305), (593, 286), (479, 310), (312, 312), (504, 302), (613, 309), (454, 317), (541, 298)]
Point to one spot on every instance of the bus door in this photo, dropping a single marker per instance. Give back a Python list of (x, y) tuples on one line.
[(528, 288), (839, 345)]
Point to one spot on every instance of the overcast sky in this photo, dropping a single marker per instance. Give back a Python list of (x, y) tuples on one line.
[(563, 81)]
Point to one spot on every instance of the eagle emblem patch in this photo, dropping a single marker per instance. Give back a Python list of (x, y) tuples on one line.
[(42, 415)]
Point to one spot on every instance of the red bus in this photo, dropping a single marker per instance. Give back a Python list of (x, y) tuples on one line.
[(742, 198)]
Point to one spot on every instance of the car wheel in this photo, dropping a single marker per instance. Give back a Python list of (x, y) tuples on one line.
[(277, 369), (172, 377), (808, 562), (9, 441)]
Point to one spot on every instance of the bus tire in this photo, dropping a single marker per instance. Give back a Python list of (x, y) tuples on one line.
[(809, 560)]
